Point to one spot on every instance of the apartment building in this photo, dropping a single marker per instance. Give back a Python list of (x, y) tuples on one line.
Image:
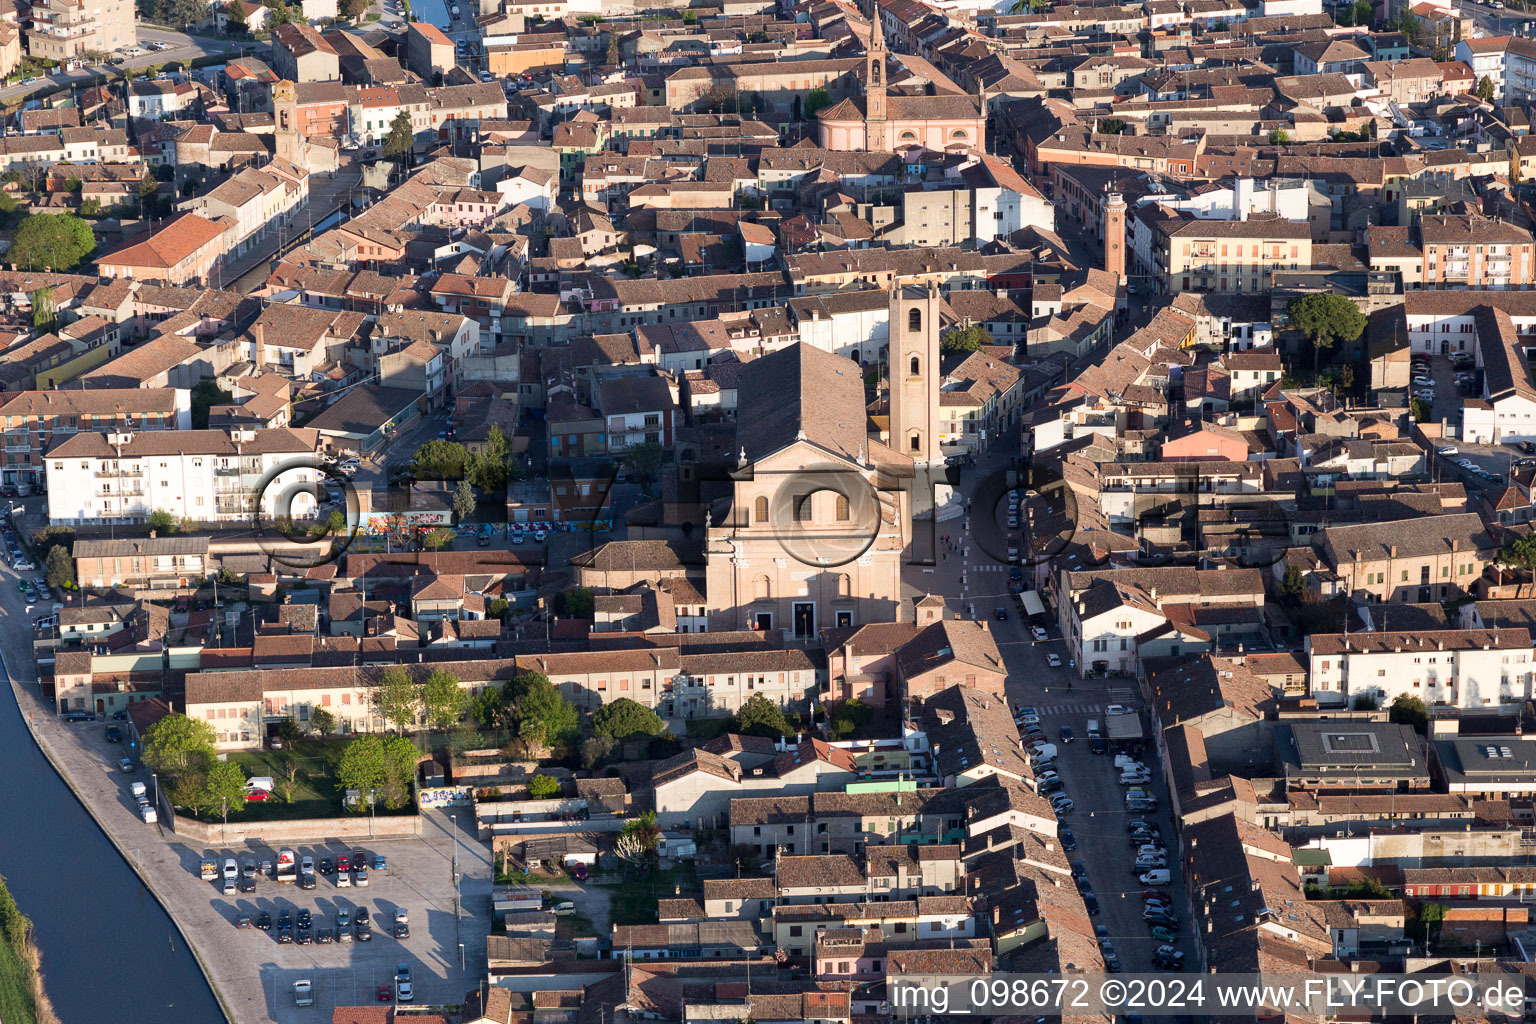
[(1190, 254), (65, 29), (33, 421), (1509, 62), (141, 562), (1429, 558), (204, 475), (1472, 251), (1105, 613), (1469, 669)]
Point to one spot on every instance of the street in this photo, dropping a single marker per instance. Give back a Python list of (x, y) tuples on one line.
[(184, 48), (971, 581)]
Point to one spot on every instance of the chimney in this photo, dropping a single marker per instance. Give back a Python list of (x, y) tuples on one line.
[(997, 915), (258, 344), (1392, 551)]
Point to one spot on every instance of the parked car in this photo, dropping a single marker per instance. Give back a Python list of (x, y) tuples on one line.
[(1068, 840), (243, 921), (579, 872), (1038, 633), (264, 921)]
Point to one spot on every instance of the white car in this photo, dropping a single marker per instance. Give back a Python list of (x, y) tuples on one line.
[(1038, 633), (1116, 709), (1053, 659), (1447, 450)]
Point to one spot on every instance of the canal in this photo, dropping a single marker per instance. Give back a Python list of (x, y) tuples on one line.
[(109, 949)]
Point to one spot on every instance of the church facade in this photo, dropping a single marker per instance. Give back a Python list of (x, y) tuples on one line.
[(878, 122), (819, 525)]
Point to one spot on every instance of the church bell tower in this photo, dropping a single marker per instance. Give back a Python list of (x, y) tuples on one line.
[(915, 379), (875, 132)]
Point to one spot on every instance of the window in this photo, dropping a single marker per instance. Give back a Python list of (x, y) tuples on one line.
[(804, 508), (842, 508), (915, 442), (914, 324), (760, 510), (914, 368), (761, 588)]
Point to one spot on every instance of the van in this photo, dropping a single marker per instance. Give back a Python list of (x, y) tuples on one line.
[(1124, 761), (1157, 876), (1093, 728), (262, 782), (137, 789), (1142, 804), (303, 992), (148, 814)]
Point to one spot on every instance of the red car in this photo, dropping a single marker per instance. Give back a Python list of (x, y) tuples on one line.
[(386, 994), (256, 796), (342, 864), (579, 872)]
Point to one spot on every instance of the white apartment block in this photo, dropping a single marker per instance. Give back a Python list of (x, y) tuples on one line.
[(65, 29), (204, 475), (1468, 669)]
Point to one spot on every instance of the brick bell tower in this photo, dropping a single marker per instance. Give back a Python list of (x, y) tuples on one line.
[(1114, 234)]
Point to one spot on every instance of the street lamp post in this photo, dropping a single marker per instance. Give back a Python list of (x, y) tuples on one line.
[(372, 800)]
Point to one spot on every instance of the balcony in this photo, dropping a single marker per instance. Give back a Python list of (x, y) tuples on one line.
[(116, 474), (226, 471)]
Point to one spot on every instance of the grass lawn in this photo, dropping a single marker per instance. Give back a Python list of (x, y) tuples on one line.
[(633, 900), (315, 792)]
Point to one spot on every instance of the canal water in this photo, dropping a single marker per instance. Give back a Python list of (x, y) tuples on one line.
[(110, 951)]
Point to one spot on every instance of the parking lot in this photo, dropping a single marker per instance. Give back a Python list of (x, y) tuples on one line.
[(1098, 825), (419, 878)]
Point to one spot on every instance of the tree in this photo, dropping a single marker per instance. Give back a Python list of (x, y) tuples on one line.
[(441, 460), (55, 242), (396, 697), (400, 760), (615, 51), (814, 101), (1420, 410), (1279, 137), (1328, 319), (280, 13), (643, 831), (322, 721), (1293, 584), (1366, 702), (576, 603), (60, 569), (964, 339), (443, 699), (177, 744), (362, 765), (1484, 90), (438, 538), (1110, 126), (625, 718), (848, 718), (205, 396), (1406, 709), (490, 709), (289, 732), (544, 717), (1365, 12), (642, 462), (224, 786), (542, 787), (180, 14), (463, 501), (401, 140), (44, 314), (1518, 553), (595, 750), (234, 17), (1408, 24), (162, 522), (760, 716), (354, 9)]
